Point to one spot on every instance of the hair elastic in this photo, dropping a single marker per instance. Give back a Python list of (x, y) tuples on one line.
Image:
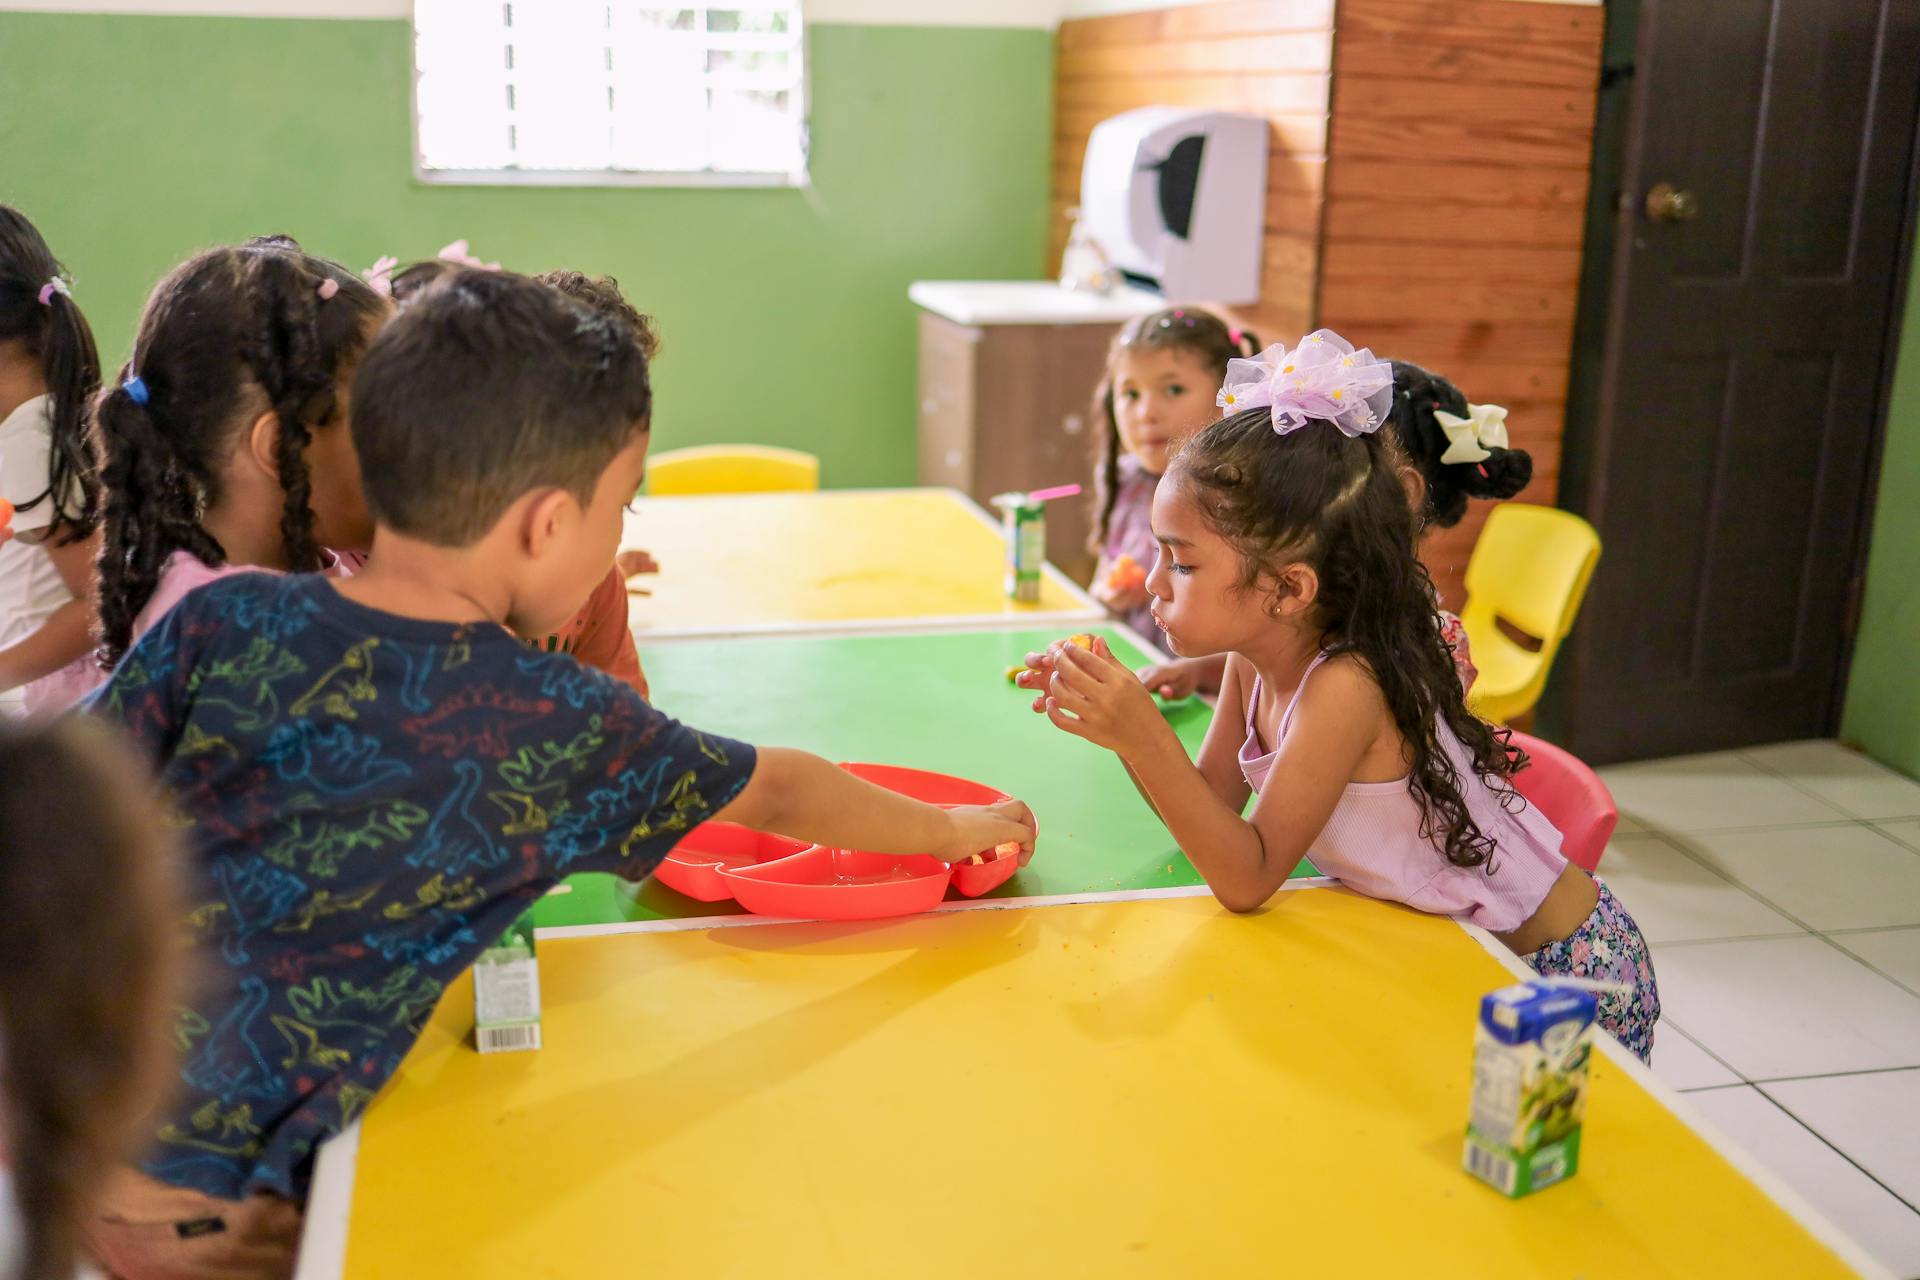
[(51, 287), (136, 389)]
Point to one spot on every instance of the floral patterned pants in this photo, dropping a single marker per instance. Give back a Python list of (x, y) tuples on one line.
[(1609, 948)]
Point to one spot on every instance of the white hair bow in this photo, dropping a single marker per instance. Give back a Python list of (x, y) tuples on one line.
[(1471, 439)]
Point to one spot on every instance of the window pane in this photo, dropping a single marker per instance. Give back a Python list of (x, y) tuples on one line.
[(585, 85), (659, 99), (747, 20), (754, 132), (460, 54)]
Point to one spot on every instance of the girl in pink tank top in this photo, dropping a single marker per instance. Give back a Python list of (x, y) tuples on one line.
[(1286, 542)]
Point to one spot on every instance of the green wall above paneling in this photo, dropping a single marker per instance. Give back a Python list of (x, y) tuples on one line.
[(133, 141)]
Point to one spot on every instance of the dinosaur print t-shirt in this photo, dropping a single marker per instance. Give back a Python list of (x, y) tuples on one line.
[(370, 801)]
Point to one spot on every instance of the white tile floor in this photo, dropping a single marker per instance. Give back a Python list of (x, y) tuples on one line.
[(1780, 890)]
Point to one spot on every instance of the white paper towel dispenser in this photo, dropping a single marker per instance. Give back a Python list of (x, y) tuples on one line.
[(1177, 197)]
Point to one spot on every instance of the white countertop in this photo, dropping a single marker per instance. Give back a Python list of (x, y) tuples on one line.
[(1029, 302)]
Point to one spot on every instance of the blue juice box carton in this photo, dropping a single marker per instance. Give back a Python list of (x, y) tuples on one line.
[(1530, 1057)]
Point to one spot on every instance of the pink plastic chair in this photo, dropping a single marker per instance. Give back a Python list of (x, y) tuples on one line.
[(1571, 795)]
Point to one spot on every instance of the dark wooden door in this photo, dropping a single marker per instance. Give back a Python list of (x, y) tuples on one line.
[(1737, 403)]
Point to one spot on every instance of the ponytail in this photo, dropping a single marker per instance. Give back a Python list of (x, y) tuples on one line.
[(156, 500), (1417, 396)]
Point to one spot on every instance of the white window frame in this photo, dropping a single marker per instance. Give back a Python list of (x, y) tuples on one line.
[(612, 177)]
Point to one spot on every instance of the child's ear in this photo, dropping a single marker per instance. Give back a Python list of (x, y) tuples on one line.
[(263, 443), (1294, 590), (544, 519), (1414, 483)]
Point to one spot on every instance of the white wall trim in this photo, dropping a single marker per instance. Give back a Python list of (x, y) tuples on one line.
[(222, 8), (1101, 8), (1034, 14)]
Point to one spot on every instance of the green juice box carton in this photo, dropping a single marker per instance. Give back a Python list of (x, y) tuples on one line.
[(1530, 1056), (506, 992)]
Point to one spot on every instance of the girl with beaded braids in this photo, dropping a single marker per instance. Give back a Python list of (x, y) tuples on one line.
[(224, 444), (1287, 542), (48, 372)]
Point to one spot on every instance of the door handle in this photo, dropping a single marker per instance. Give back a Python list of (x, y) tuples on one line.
[(1668, 203)]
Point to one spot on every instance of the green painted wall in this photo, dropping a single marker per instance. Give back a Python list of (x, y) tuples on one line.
[(133, 141), (1883, 689)]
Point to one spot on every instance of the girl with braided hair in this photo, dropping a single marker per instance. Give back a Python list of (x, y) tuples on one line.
[(48, 372), (224, 444)]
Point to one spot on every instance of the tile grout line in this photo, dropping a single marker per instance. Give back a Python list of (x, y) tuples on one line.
[(1684, 1034), (1749, 891), (1790, 781), (1749, 829), (1876, 824), (1834, 1075), (1673, 943), (1824, 1140), (1775, 907), (1869, 965)]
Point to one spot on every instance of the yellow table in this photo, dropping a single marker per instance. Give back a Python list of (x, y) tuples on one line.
[(834, 560), (1146, 1087)]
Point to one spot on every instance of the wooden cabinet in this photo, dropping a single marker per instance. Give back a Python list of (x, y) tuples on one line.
[(1009, 405)]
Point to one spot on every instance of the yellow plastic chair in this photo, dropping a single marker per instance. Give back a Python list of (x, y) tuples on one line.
[(732, 468), (1530, 570)]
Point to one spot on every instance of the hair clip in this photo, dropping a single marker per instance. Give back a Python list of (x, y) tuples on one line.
[(136, 389), (380, 275), (51, 287), (1324, 379), (328, 288)]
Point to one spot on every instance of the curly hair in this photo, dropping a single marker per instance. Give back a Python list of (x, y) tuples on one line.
[(1335, 503), (1176, 328), (601, 294), (56, 334), (228, 334), (1417, 394), (86, 986)]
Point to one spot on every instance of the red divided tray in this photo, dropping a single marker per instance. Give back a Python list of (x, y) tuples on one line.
[(773, 876), (695, 865)]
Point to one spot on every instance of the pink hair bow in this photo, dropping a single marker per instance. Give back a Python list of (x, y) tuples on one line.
[(380, 275), (1322, 380), (457, 252)]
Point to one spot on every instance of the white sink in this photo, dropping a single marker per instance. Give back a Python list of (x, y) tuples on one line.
[(1029, 302)]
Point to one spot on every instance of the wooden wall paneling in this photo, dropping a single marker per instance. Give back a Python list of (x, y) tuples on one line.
[(1269, 57), (1427, 182), (1456, 188)]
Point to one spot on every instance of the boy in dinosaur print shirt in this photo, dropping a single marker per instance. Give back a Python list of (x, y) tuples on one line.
[(377, 777)]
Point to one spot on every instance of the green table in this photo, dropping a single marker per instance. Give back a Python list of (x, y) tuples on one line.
[(937, 702)]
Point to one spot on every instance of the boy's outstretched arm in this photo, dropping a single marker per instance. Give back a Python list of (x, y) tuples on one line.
[(801, 796)]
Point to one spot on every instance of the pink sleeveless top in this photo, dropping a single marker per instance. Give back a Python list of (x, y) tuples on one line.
[(1372, 841)]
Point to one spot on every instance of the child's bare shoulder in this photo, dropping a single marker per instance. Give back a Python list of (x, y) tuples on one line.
[(1345, 681)]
